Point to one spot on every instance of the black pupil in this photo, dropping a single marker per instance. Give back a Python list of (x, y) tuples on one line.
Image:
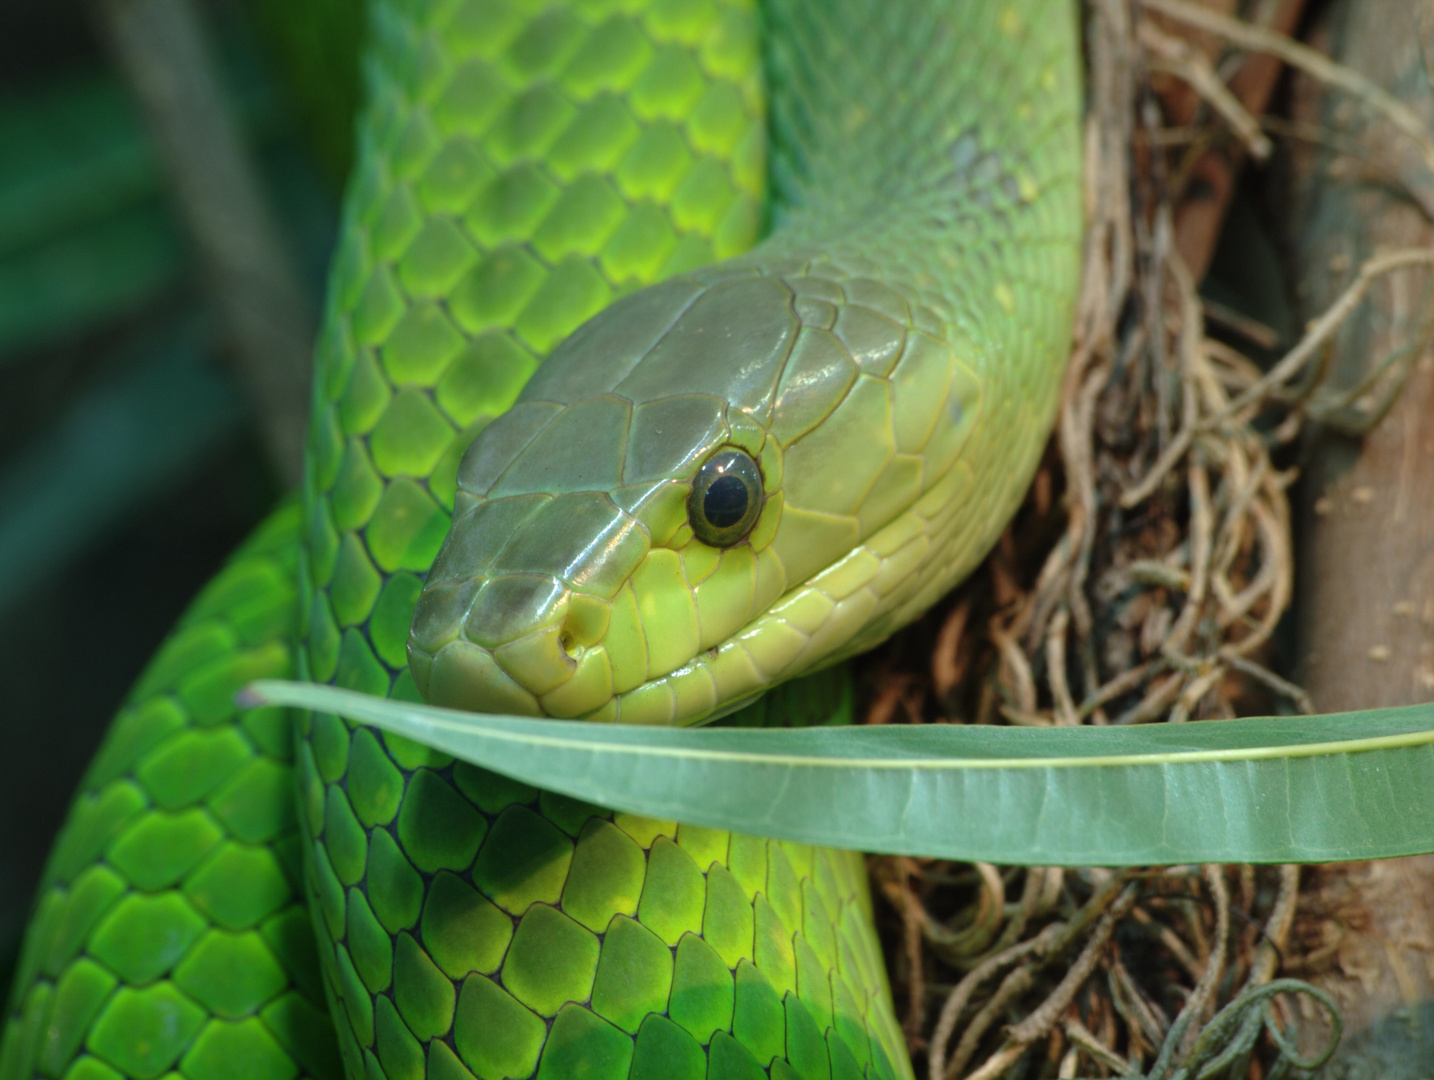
[(725, 502)]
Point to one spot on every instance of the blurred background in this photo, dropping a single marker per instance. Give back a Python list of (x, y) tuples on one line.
[(170, 174)]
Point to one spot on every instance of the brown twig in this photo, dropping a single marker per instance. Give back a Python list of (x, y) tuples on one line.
[(1312, 63), (268, 319), (1142, 582)]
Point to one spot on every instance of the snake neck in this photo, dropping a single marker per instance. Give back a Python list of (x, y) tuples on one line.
[(932, 146)]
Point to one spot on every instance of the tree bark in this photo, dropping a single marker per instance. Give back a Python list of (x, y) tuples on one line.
[(1366, 611)]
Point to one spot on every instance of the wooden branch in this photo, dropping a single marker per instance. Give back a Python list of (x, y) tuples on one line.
[(267, 319)]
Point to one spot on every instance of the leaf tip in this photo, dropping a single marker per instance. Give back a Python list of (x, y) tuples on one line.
[(250, 697)]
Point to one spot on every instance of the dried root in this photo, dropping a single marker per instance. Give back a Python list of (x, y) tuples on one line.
[(1142, 582)]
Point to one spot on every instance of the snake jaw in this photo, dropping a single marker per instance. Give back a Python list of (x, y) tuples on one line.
[(558, 669)]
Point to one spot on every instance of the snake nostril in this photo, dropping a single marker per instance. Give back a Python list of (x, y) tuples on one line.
[(584, 624), (570, 645)]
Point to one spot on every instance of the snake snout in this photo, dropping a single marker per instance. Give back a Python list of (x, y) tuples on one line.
[(519, 643), (513, 616)]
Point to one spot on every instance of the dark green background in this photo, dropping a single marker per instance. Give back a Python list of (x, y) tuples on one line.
[(129, 467)]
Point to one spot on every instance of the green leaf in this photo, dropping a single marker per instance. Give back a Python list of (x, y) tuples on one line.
[(1277, 789)]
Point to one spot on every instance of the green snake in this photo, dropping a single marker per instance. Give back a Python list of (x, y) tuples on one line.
[(733, 468)]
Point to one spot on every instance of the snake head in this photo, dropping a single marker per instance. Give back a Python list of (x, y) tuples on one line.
[(631, 541)]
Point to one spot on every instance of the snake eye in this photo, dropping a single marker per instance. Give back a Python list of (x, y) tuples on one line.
[(726, 498)]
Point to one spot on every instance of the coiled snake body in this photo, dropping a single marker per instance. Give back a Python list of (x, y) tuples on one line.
[(737, 473)]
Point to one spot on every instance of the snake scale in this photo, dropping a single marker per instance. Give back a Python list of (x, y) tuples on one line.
[(738, 467)]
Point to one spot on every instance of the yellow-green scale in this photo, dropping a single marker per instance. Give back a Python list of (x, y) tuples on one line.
[(520, 167)]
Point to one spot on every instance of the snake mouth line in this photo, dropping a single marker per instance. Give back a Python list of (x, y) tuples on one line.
[(846, 608), (783, 641), (568, 668)]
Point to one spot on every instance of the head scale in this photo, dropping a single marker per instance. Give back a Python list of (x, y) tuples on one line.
[(625, 535)]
